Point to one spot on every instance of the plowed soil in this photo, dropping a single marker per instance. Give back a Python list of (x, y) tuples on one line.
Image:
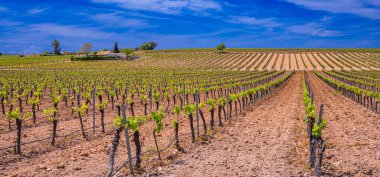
[(279, 61), (265, 55), (300, 63), (271, 63), (287, 65), (330, 61), (269, 141), (314, 58), (293, 62), (352, 134), (251, 60)]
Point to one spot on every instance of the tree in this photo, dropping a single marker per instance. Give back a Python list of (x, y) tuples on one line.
[(86, 48), (145, 47), (152, 45), (116, 48), (1, 53), (128, 52), (148, 46), (56, 47), (221, 47)]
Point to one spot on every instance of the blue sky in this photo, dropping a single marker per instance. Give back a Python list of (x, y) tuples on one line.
[(29, 26)]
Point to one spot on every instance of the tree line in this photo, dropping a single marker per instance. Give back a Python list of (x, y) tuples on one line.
[(86, 48)]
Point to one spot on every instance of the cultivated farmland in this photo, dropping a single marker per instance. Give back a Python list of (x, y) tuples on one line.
[(193, 112)]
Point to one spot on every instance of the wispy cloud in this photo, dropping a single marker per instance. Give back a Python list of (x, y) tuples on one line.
[(229, 4), (35, 11), (3, 9), (265, 22), (116, 20), (313, 29), (166, 6), (69, 31), (326, 19), (7, 23), (364, 8)]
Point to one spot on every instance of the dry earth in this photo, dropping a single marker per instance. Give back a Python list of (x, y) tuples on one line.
[(352, 134), (269, 141)]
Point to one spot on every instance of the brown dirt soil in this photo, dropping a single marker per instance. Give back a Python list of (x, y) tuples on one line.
[(246, 62), (337, 61), (274, 142), (80, 156), (69, 150), (232, 59), (271, 63), (227, 58), (364, 65), (310, 62), (314, 58), (352, 135), (337, 55), (262, 57), (279, 61), (260, 67), (251, 60), (297, 57), (237, 63), (293, 62), (365, 60), (329, 61), (286, 63)]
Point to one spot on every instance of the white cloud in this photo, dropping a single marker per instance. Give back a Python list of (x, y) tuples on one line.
[(35, 11), (201, 5), (265, 22), (166, 6), (7, 23), (313, 29), (69, 31), (115, 20), (3, 9), (326, 19), (365, 8), (230, 5)]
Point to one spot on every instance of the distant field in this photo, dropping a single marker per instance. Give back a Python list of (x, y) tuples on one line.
[(273, 60), (205, 59)]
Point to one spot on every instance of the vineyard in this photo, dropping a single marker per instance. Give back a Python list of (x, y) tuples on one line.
[(189, 112), (235, 60)]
